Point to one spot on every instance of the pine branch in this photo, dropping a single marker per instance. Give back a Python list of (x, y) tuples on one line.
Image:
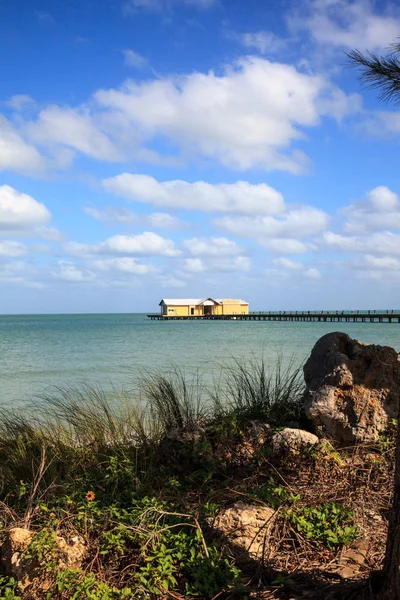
[(381, 72)]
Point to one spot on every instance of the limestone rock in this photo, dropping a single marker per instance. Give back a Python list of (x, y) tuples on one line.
[(352, 388), (292, 440), (247, 528), (71, 554), (16, 562), (13, 559)]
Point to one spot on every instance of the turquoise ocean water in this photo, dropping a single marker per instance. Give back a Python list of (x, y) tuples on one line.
[(112, 349)]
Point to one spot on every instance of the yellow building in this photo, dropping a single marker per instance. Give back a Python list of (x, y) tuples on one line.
[(200, 307)]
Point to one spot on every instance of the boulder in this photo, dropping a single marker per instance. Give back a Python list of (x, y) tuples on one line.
[(17, 562), (13, 556), (352, 388), (247, 528), (292, 440)]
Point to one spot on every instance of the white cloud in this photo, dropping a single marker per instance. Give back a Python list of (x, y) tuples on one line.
[(381, 211), (312, 273), (171, 282), (123, 216), (163, 220), (75, 129), (349, 23), (15, 153), (67, 271), (12, 249), (384, 242), (381, 123), (146, 244), (132, 6), (263, 41), (294, 223), (20, 212), (287, 246), (384, 263), (19, 101), (124, 264), (112, 214), (194, 265), (247, 117), (134, 59), (214, 264), (239, 197), (212, 247), (286, 263)]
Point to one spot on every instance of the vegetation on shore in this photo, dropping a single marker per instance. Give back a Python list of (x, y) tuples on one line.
[(140, 482)]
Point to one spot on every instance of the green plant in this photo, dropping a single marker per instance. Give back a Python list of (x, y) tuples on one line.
[(272, 394), (74, 584), (273, 495), (176, 551), (330, 524), (8, 588)]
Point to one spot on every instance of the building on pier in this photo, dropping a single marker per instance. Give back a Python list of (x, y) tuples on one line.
[(203, 307)]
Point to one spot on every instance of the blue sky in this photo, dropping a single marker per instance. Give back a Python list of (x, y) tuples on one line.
[(191, 148)]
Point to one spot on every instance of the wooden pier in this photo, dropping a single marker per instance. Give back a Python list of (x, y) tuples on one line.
[(368, 316)]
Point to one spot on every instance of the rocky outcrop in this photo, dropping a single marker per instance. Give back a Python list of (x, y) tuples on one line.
[(247, 528), (292, 440), (352, 388), (19, 561)]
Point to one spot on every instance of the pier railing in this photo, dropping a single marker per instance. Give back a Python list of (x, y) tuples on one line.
[(348, 316)]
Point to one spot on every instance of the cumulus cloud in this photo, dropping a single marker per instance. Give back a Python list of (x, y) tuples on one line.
[(133, 6), (239, 197), (19, 101), (146, 244), (251, 115), (384, 242), (75, 129), (381, 123), (212, 247), (15, 153), (286, 265), (112, 214), (134, 59), (67, 271), (124, 264), (264, 42), (217, 265), (12, 249), (348, 23), (247, 117), (123, 216), (380, 211), (164, 221), (194, 265), (20, 212), (281, 234)]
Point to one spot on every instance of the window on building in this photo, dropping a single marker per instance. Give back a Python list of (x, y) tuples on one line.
[(192, 311)]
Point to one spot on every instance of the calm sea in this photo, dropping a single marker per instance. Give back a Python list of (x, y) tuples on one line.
[(112, 350)]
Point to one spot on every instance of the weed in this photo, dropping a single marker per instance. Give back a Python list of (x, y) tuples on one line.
[(8, 588), (257, 391), (330, 524)]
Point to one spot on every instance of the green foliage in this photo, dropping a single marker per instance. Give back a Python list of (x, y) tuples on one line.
[(43, 547), (274, 496), (262, 392), (8, 588), (329, 524), (74, 584), (179, 552)]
